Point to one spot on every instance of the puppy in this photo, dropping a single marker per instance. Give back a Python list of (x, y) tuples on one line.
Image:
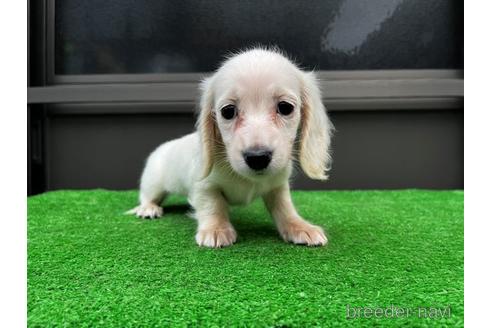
[(258, 114)]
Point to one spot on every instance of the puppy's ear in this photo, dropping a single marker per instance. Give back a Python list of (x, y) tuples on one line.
[(316, 130), (206, 126)]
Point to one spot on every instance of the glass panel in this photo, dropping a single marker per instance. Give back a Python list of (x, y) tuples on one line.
[(156, 36)]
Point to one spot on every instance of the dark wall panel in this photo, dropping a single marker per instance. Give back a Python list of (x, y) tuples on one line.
[(395, 149), (106, 151), (372, 150)]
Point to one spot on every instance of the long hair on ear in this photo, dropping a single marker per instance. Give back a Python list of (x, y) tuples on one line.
[(207, 127), (316, 130)]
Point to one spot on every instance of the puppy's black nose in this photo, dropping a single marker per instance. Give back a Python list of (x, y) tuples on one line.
[(257, 158)]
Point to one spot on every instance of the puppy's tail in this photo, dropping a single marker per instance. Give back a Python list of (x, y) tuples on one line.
[(150, 210), (133, 211)]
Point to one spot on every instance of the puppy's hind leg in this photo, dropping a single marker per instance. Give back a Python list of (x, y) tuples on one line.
[(151, 196), (149, 208)]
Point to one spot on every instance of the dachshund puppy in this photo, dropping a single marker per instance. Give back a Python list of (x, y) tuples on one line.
[(258, 113)]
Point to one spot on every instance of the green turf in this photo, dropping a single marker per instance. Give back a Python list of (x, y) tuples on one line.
[(90, 265)]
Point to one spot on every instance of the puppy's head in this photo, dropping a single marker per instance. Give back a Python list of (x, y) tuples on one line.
[(255, 109)]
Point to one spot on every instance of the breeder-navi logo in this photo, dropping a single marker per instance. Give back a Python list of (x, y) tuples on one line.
[(393, 311)]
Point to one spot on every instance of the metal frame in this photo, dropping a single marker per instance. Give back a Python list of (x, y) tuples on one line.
[(50, 41), (342, 90), (37, 113)]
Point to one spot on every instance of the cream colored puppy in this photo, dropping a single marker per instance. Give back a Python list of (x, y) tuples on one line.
[(258, 114)]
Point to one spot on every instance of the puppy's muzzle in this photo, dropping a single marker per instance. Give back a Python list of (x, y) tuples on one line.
[(257, 158)]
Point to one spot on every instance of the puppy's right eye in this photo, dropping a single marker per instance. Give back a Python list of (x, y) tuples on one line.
[(228, 112)]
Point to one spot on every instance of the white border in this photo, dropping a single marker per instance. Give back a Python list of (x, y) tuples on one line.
[(478, 163), (13, 180)]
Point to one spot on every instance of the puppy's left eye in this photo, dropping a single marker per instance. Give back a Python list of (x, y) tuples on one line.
[(284, 108)]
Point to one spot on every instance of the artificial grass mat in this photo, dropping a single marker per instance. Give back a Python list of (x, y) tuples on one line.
[(90, 265)]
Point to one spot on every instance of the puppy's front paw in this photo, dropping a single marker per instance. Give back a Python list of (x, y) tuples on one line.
[(302, 232), (147, 211), (219, 236)]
